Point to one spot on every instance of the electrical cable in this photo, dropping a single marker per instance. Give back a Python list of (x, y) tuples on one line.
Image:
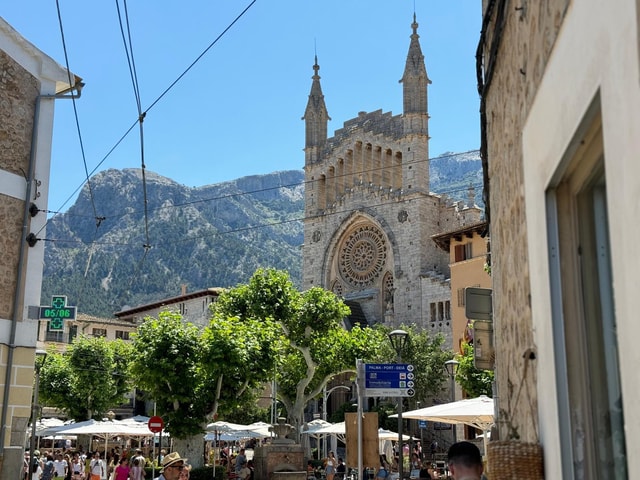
[(128, 46), (75, 110), (236, 230), (126, 133), (291, 185)]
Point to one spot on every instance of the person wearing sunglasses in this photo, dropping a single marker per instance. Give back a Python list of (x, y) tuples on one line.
[(172, 465)]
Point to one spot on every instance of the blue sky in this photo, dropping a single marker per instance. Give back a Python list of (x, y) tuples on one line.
[(238, 110)]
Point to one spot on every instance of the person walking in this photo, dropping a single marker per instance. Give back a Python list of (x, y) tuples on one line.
[(96, 467), (77, 467), (36, 466), (48, 469), (241, 461), (465, 461), (137, 472), (330, 465), (122, 471)]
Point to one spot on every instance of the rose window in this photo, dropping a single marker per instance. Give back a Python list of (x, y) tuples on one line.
[(363, 255)]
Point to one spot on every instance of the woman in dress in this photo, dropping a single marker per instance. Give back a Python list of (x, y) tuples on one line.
[(330, 465), (136, 470)]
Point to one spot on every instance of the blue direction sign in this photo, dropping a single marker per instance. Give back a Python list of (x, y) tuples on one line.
[(57, 312), (389, 380)]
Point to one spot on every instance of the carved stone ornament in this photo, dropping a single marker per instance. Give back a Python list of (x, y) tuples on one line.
[(363, 254), (403, 216), (316, 236)]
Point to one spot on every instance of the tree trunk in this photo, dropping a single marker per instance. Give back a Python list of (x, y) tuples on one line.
[(191, 448)]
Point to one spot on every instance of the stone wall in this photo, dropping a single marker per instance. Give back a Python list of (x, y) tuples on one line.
[(18, 91), (524, 48)]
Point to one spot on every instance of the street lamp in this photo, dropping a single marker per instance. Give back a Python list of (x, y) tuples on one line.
[(325, 397), (452, 366), (399, 339), (34, 406)]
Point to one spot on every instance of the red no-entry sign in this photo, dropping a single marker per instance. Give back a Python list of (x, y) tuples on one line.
[(155, 424)]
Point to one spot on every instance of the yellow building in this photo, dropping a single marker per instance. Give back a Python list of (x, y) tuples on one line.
[(468, 248)]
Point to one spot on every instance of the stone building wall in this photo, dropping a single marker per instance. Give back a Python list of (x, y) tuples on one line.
[(27, 75), (18, 91), (525, 45)]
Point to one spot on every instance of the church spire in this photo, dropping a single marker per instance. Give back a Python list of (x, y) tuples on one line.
[(315, 115), (415, 79)]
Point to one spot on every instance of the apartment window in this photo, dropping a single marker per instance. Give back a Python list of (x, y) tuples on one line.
[(99, 332), (122, 334), (584, 319), (463, 252), (73, 332), (461, 297)]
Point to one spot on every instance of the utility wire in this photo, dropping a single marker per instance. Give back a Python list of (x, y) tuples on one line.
[(128, 47), (226, 232), (266, 189), (75, 109), (98, 220), (126, 133)]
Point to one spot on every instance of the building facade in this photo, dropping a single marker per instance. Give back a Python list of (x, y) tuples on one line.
[(31, 82), (193, 306), (369, 214), (468, 250), (561, 106)]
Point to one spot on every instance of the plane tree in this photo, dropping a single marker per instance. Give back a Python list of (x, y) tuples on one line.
[(190, 374), (88, 379), (315, 346)]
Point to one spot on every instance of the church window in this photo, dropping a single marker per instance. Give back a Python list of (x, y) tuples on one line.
[(363, 255)]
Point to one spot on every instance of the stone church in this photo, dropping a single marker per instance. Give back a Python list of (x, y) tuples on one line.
[(369, 214)]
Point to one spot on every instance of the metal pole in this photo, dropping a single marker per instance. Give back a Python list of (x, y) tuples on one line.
[(359, 379), (451, 366), (35, 407), (34, 418), (400, 446), (324, 417), (453, 398)]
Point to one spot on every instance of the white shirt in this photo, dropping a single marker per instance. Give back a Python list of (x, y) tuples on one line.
[(60, 467), (97, 467), (37, 473)]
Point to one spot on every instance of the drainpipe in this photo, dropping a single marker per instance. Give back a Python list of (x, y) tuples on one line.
[(18, 297)]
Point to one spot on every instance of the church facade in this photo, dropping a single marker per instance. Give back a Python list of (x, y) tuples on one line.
[(369, 213)]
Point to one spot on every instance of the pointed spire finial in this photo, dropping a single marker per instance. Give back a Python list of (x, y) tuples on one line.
[(414, 25)]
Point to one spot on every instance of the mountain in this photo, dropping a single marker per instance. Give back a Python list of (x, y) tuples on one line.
[(105, 254), (210, 236)]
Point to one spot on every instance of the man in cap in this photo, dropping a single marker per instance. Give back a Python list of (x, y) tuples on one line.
[(172, 465), (465, 461)]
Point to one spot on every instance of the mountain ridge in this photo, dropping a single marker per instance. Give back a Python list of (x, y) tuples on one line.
[(214, 235)]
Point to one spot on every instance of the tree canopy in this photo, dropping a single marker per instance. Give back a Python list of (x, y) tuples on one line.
[(474, 381), (88, 379)]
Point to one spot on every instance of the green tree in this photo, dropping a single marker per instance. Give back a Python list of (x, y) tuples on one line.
[(167, 365), (315, 346), (88, 379), (190, 373), (473, 381)]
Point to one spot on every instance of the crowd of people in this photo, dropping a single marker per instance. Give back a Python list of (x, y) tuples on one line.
[(76, 465), (463, 458)]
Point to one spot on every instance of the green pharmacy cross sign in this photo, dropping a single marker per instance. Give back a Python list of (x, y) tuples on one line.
[(57, 312)]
